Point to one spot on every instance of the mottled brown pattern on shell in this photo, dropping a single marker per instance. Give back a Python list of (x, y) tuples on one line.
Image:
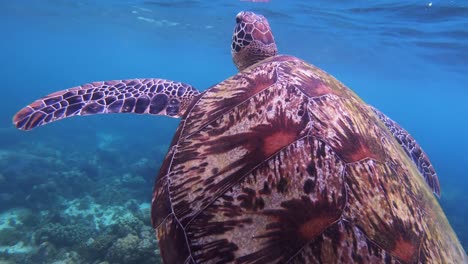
[(241, 200), (398, 212), (341, 124), (311, 80), (223, 151), (221, 98), (376, 204), (414, 151), (343, 242), (190, 261), (161, 206), (172, 241), (268, 213)]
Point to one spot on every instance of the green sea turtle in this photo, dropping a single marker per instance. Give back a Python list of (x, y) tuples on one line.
[(280, 163)]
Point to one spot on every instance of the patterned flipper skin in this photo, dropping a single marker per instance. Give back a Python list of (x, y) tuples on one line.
[(413, 150), (140, 96)]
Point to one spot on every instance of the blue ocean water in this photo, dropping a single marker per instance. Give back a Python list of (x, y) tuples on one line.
[(95, 174)]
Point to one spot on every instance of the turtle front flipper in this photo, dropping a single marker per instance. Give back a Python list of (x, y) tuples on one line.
[(140, 96), (413, 150)]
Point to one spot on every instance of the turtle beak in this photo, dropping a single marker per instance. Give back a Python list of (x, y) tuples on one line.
[(239, 17)]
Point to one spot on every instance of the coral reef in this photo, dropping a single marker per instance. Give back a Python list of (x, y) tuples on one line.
[(128, 224), (10, 236), (75, 206), (124, 250), (96, 247), (66, 235), (74, 236), (133, 249)]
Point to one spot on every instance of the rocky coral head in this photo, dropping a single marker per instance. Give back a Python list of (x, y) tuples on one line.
[(252, 40)]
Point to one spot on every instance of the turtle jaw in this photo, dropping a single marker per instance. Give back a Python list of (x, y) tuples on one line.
[(252, 40)]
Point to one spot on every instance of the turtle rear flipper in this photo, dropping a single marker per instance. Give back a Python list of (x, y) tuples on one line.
[(140, 96), (413, 150)]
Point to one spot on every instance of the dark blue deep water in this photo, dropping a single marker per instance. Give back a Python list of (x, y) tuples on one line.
[(78, 190)]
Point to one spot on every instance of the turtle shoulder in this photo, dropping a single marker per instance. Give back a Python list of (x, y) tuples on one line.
[(226, 95)]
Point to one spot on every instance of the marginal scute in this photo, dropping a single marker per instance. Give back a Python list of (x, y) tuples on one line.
[(172, 241), (343, 242), (161, 206)]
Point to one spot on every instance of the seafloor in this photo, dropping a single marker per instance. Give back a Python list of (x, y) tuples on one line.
[(83, 211)]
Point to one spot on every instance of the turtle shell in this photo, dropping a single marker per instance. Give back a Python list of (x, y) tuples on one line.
[(283, 163)]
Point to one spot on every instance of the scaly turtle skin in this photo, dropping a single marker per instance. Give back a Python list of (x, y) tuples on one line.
[(280, 163)]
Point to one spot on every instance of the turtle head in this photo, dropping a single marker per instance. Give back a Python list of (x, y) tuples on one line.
[(252, 40)]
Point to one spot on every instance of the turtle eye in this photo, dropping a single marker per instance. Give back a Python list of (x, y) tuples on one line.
[(238, 20)]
